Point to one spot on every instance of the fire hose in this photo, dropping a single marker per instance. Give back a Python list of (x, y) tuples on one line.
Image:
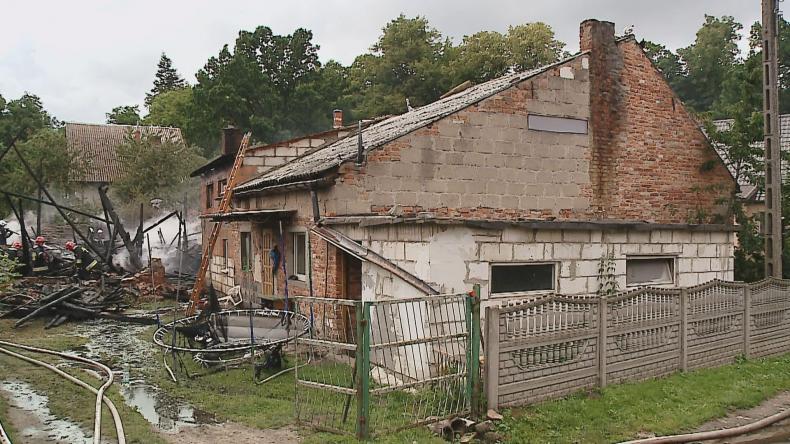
[(714, 434), (99, 392)]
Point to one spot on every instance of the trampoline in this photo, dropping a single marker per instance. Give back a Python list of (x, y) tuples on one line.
[(225, 337)]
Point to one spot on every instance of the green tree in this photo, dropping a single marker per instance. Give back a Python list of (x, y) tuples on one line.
[(154, 168), (488, 54), (409, 61), (166, 79), (170, 108), (22, 117), (46, 152), (259, 86), (708, 61), (666, 61), (124, 115)]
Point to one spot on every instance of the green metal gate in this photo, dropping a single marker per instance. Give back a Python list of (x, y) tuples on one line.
[(370, 368)]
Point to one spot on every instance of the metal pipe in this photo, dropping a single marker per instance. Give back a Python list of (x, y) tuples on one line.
[(99, 393)]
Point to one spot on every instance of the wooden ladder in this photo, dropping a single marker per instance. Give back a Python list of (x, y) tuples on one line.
[(224, 206)]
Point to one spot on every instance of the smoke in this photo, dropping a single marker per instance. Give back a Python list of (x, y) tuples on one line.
[(164, 243), (13, 225)]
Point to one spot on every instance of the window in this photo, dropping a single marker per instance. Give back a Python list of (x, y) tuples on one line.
[(649, 270), (222, 184), (225, 252), (246, 251), (300, 256), (557, 124), (517, 278), (209, 195)]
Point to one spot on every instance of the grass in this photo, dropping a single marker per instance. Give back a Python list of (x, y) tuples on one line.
[(6, 425), (67, 400), (669, 405)]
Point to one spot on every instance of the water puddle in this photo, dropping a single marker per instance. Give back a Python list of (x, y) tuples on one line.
[(128, 352), (43, 426)]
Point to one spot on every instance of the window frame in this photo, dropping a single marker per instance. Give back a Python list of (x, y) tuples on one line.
[(225, 252), (673, 270), (555, 278), (222, 185), (209, 195), (248, 265), (295, 261)]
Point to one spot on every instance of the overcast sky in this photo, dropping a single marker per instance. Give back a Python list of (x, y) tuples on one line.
[(85, 57)]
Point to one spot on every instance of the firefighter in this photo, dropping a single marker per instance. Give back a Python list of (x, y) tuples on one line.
[(5, 233), (41, 258), (83, 260)]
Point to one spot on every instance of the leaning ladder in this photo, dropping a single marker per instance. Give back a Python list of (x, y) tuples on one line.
[(224, 206)]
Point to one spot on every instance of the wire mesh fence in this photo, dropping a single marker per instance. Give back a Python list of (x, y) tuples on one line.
[(377, 367)]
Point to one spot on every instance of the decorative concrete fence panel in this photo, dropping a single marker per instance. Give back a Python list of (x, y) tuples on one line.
[(550, 347), (543, 349)]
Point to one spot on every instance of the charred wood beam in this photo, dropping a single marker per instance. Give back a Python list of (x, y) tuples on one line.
[(52, 303), (65, 216), (160, 221), (23, 234), (134, 258), (53, 204)]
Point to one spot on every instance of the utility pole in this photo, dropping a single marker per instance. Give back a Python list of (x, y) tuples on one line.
[(772, 224)]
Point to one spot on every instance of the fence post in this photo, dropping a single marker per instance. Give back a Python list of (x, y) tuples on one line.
[(684, 329), (363, 369), (602, 334), (747, 320), (474, 367), (492, 357)]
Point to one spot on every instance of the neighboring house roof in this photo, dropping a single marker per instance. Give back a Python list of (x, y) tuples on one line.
[(749, 190), (320, 160), (95, 147)]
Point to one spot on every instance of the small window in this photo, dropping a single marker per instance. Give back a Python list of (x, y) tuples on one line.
[(300, 256), (209, 195), (246, 251), (557, 124), (225, 252), (649, 270), (222, 184), (518, 278)]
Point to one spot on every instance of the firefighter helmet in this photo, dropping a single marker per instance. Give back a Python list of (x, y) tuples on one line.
[(40, 240), (70, 245)]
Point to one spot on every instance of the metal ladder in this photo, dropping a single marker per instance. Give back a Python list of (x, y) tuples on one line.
[(224, 206)]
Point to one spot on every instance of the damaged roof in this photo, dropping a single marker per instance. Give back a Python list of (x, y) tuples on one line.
[(95, 147), (323, 159), (749, 190)]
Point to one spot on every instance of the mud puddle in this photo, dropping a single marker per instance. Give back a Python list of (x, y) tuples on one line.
[(34, 421), (122, 347)]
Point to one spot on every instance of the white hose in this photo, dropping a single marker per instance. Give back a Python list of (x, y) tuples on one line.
[(99, 393)]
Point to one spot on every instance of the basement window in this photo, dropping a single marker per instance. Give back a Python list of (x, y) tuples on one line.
[(520, 278), (299, 256), (649, 271), (557, 124), (246, 251), (209, 195)]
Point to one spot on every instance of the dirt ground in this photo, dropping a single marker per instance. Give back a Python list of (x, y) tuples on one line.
[(230, 433), (777, 433)]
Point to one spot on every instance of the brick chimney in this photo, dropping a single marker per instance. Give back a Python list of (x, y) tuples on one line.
[(337, 118), (607, 97), (231, 140)]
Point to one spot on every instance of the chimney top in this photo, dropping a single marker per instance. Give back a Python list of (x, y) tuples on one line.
[(231, 140), (592, 31), (337, 118)]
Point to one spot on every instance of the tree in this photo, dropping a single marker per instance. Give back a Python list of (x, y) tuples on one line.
[(46, 152), (708, 60), (666, 61), (259, 86), (170, 108), (154, 168), (409, 61), (488, 54), (166, 79), (22, 117), (124, 115)]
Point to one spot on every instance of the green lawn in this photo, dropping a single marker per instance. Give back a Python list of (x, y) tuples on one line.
[(669, 405)]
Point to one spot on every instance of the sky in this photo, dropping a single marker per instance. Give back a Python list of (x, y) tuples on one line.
[(85, 57)]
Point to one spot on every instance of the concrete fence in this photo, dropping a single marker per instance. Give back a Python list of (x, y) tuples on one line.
[(558, 345)]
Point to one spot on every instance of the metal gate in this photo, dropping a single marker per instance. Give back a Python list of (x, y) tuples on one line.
[(404, 363)]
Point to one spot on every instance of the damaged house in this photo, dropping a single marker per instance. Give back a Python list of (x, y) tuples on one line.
[(95, 149), (521, 184)]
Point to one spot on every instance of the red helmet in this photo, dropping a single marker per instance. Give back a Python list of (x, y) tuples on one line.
[(70, 245), (17, 245), (40, 240)]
